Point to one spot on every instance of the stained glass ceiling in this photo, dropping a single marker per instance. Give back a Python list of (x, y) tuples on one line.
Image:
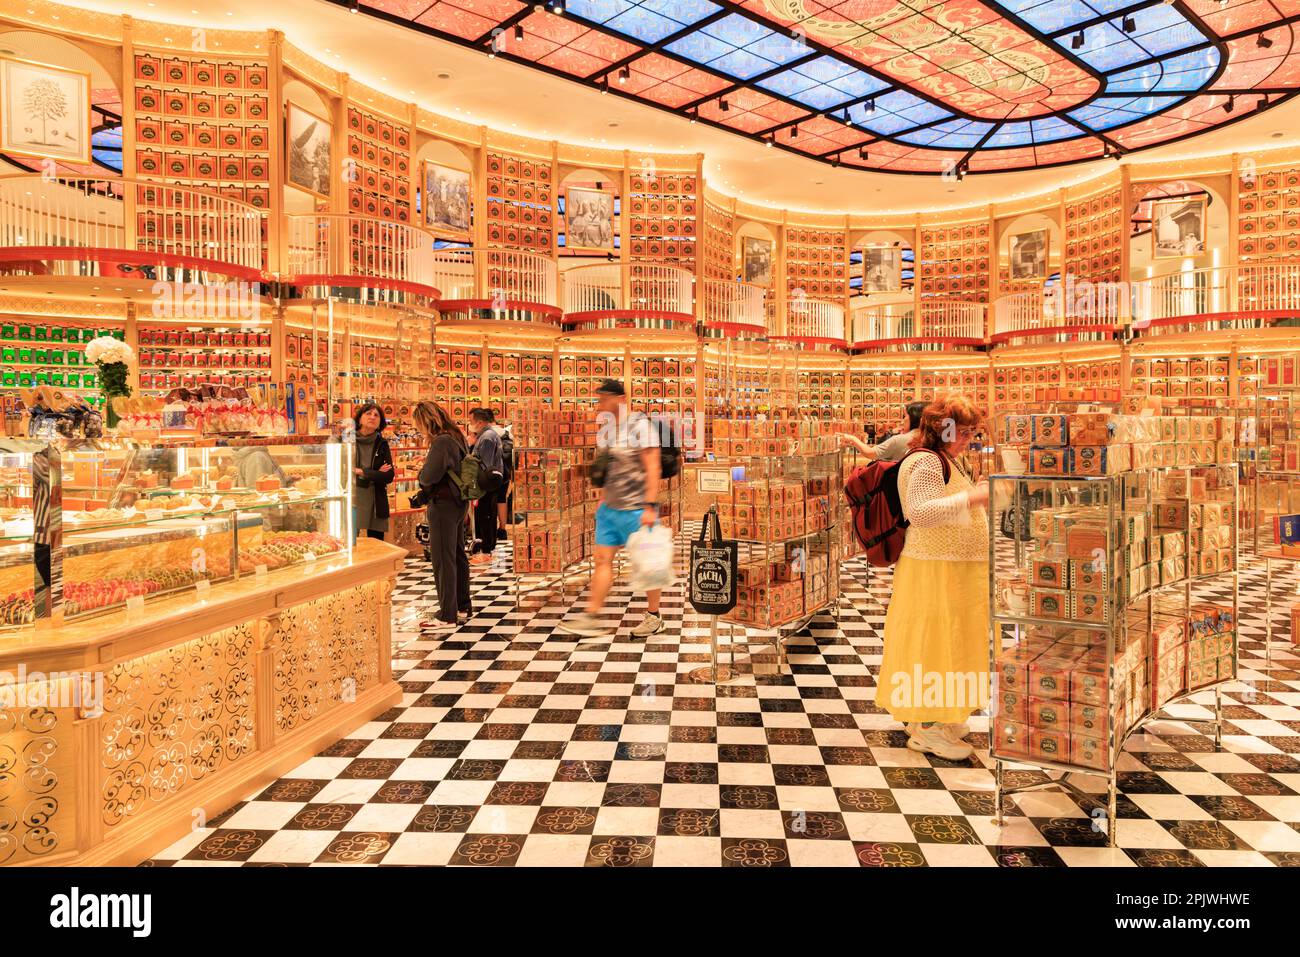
[(917, 86)]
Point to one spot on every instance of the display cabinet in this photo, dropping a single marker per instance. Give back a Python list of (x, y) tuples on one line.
[(1099, 615), (783, 507), (99, 525)]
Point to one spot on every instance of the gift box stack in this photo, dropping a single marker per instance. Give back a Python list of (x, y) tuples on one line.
[(552, 546), (580, 376), (1210, 645), (745, 438), (776, 510), (549, 480), (1099, 443), (1069, 566), (1200, 512), (769, 595), (538, 426), (1052, 696)]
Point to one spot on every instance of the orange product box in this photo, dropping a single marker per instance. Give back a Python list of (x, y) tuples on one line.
[(1088, 606), (1049, 745), (1089, 684), (1049, 714), (1013, 674), (1051, 430), (1012, 706), (1049, 603), (1049, 572), (1010, 737), (1087, 717), (1084, 541), (1051, 461), (1090, 750), (183, 482), (1087, 575), (1089, 428), (1049, 677)]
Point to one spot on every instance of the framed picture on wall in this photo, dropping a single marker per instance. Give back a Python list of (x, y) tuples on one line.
[(446, 197), (756, 260), (589, 219), (309, 158), (46, 111), (1029, 254), (1178, 228), (882, 269)]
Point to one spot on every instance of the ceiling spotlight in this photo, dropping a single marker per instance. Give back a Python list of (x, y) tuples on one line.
[(1077, 42), (1230, 105), (961, 173), (770, 141), (794, 132), (1263, 42), (1263, 102), (694, 114), (723, 105), (1128, 25), (557, 7), (519, 31), (623, 75), (835, 161), (604, 85), (871, 105), (862, 153), (354, 6)]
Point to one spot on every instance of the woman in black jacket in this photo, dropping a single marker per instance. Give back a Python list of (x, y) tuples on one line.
[(446, 512), (374, 472)]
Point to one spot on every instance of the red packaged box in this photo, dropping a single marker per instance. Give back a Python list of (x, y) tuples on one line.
[(1048, 714), (1049, 677)]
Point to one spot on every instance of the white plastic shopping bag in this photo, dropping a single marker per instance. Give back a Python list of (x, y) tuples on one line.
[(650, 551)]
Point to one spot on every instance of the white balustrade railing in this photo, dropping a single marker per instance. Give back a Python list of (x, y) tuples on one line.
[(496, 275), (111, 213), (629, 287), (892, 320), (729, 302), (1214, 291), (814, 319), (952, 318), (326, 245)]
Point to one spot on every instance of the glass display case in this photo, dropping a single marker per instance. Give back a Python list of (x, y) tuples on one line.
[(1102, 612), (96, 525)]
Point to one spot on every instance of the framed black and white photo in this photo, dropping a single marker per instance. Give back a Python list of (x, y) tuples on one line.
[(882, 269), (1029, 254), (310, 139), (1178, 228), (589, 219), (46, 111), (446, 197), (756, 260)]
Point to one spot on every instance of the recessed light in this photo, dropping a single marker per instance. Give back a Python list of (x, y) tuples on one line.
[(444, 75)]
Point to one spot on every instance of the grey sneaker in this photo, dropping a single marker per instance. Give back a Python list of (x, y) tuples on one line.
[(584, 625), (650, 625)]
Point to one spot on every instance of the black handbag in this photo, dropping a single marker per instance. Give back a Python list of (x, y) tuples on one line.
[(713, 568)]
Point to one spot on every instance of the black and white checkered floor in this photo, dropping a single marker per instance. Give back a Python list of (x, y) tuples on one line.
[(514, 745)]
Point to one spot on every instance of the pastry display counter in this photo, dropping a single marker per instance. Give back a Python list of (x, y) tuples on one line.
[(125, 730), (181, 623)]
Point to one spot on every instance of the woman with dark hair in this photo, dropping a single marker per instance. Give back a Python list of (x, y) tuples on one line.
[(374, 472), (934, 671), (895, 447), (445, 512)]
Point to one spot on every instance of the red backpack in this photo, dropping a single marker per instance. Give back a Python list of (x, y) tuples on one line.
[(878, 522)]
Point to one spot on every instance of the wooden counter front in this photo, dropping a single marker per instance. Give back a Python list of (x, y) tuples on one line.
[(187, 706)]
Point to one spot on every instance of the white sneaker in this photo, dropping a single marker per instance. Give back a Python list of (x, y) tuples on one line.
[(932, 740), (650, 625), (955, 732), (584, 625)]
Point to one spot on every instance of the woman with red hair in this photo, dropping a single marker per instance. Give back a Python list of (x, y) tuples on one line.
[(934, 672)]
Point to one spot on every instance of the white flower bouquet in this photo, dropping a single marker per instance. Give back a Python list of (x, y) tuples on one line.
[(111, 357), (106, 350)]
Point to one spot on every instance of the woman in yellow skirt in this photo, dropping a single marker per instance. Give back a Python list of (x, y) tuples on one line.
[(934, 672)]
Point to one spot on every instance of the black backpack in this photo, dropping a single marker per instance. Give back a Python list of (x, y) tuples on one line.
[(507, 458), (670, 452)]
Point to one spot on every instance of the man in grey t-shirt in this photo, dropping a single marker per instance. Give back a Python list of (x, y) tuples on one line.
[(629, 446), (896, 446)]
